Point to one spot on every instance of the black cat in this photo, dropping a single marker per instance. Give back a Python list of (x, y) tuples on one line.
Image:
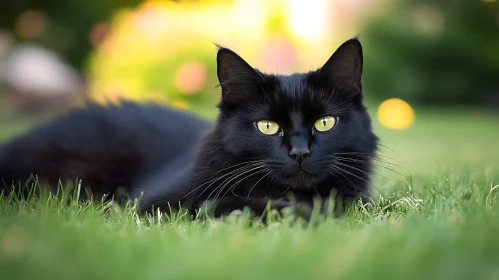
[(303, 135)]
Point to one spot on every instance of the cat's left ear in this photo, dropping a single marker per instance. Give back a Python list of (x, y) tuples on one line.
[(239, 81), (343, 70)]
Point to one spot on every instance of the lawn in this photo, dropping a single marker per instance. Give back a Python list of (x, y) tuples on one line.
[(434, 217)]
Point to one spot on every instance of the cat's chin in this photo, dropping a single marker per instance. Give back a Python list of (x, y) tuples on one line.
[(301, 179)]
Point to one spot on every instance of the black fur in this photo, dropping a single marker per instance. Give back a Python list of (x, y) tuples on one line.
[(152, 150), (105, 147)]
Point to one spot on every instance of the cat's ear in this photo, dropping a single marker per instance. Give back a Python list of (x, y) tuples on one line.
[(343, 70), (236, 77)]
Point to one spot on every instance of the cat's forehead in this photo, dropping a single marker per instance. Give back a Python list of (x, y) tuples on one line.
[(293, 100), (291, 86), (296, 92)]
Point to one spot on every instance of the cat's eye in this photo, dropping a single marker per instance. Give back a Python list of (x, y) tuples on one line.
[(325, 123), (267, 127)]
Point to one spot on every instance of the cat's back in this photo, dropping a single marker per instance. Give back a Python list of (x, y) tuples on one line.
[(104, 144)]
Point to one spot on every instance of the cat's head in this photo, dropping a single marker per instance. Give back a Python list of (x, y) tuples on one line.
[(300, 125)]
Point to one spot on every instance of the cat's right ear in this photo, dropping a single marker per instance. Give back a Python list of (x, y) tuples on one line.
[(343, 70), (236, 77)]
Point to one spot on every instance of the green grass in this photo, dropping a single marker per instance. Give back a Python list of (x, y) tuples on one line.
[(439, 220)]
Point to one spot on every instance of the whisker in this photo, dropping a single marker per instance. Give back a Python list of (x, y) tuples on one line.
[(231, 188), (230, 179), (339, 172), (369, 156), (258, 182), (212, 181), (285, 191), (313, 186), (394, 164), (373, 163), (370, 175), (246, 162), (355, 168), (382, 145), (275, 175), (334, 175), (379, 160), (350, 173), (221, 177)]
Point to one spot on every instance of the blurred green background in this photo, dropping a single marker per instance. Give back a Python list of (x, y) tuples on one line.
[(439, 59), (427, 52)]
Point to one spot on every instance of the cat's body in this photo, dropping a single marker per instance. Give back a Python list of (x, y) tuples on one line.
[(304, 135), (105, 147)]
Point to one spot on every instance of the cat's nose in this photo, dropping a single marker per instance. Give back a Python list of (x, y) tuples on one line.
[(299, 153), (299, 147)]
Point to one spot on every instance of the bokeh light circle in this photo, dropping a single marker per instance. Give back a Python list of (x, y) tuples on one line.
[(98, 33), (395, 113), (191, 77), (31, 24)]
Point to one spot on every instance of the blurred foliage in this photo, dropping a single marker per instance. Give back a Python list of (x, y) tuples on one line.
[(69, 23), (434, 52), (423, 51), (157, 78), (154, 54)]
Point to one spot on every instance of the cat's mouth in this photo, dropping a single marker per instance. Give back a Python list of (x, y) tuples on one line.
[(302, 170), (300, 180), (297, 175), (294, 168), (300, 176)]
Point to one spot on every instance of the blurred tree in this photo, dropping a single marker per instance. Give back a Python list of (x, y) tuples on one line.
[(66, 23), (434, 52)]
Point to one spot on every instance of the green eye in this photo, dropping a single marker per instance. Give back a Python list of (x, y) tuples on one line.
[(325, 123), (267, 127)]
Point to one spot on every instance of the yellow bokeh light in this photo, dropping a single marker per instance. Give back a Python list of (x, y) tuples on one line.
[(395, 113), (309, 19)]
